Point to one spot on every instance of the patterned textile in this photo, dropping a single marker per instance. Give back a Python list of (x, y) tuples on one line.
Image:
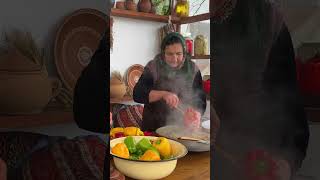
[(81, 158), (15, 145), (125, 115), (115, 174)]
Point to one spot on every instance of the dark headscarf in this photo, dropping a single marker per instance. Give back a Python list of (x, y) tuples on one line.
[(170, 36)]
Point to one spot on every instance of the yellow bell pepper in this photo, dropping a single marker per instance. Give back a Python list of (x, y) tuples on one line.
[(140, 133), (121, 150), (162, 144), (116, 130), (133, 131), (150, 155)]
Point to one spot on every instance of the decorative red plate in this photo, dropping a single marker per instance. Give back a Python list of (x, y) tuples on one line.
[(76, 41)]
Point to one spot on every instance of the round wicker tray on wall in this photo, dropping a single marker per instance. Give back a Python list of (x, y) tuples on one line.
[(76, 41), (132, 75)]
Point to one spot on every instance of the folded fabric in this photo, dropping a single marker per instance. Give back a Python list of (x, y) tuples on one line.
[(127, 115), (80, 158), (115, 174)]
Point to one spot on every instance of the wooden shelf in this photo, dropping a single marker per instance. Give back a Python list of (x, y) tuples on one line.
[(192, 19), (142, 16), (54, 113), (158, 18), (36, 120), (201, 57)]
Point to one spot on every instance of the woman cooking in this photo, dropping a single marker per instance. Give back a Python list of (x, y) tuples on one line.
[(170, 82)]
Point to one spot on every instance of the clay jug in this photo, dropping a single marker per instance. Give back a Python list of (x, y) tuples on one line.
[(25, 87), (145, 6)]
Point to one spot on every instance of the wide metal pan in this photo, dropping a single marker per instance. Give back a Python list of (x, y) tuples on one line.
[(174, 132)]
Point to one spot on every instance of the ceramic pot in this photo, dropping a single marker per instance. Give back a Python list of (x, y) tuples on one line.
[(26, 92), (25, 86), (145, 6), (120, 5), (117, 90), (130, 5)]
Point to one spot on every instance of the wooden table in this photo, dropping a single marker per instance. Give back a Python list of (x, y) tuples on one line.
[(192, 166)]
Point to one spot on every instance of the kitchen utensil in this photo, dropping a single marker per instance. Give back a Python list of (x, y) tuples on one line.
[(181, 110), (194, 139)]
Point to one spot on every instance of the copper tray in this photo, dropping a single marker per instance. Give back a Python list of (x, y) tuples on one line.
[(133, 74), (76, 41)]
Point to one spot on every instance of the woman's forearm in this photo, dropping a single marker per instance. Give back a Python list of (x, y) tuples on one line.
[(155, 95)]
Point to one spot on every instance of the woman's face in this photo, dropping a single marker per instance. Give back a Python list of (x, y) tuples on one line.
[(173, 55)]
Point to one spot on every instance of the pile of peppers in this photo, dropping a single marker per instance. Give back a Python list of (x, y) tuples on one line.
[(118, 132), (144, 149)]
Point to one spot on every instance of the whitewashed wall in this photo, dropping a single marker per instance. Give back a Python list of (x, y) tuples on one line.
[(135, 42)]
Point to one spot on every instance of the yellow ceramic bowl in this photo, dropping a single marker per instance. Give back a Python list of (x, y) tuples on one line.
[(148, 170)]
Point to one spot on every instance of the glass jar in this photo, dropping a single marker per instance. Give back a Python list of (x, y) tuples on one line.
[(182, 8), (189, 43), (200, 45)]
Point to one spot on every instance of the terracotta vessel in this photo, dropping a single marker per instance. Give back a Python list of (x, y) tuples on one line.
[(25, 87), (145, 6)]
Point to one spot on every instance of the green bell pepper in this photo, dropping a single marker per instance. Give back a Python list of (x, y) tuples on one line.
[(131, 144), (144, 144), (134, 157)]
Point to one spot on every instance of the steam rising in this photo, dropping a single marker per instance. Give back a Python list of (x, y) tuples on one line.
[(188, 96)]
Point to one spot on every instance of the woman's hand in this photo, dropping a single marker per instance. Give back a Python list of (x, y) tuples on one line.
[(192, 118), (171, 99)]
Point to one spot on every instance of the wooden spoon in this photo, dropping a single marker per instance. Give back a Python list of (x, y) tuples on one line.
[(194, 139)]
